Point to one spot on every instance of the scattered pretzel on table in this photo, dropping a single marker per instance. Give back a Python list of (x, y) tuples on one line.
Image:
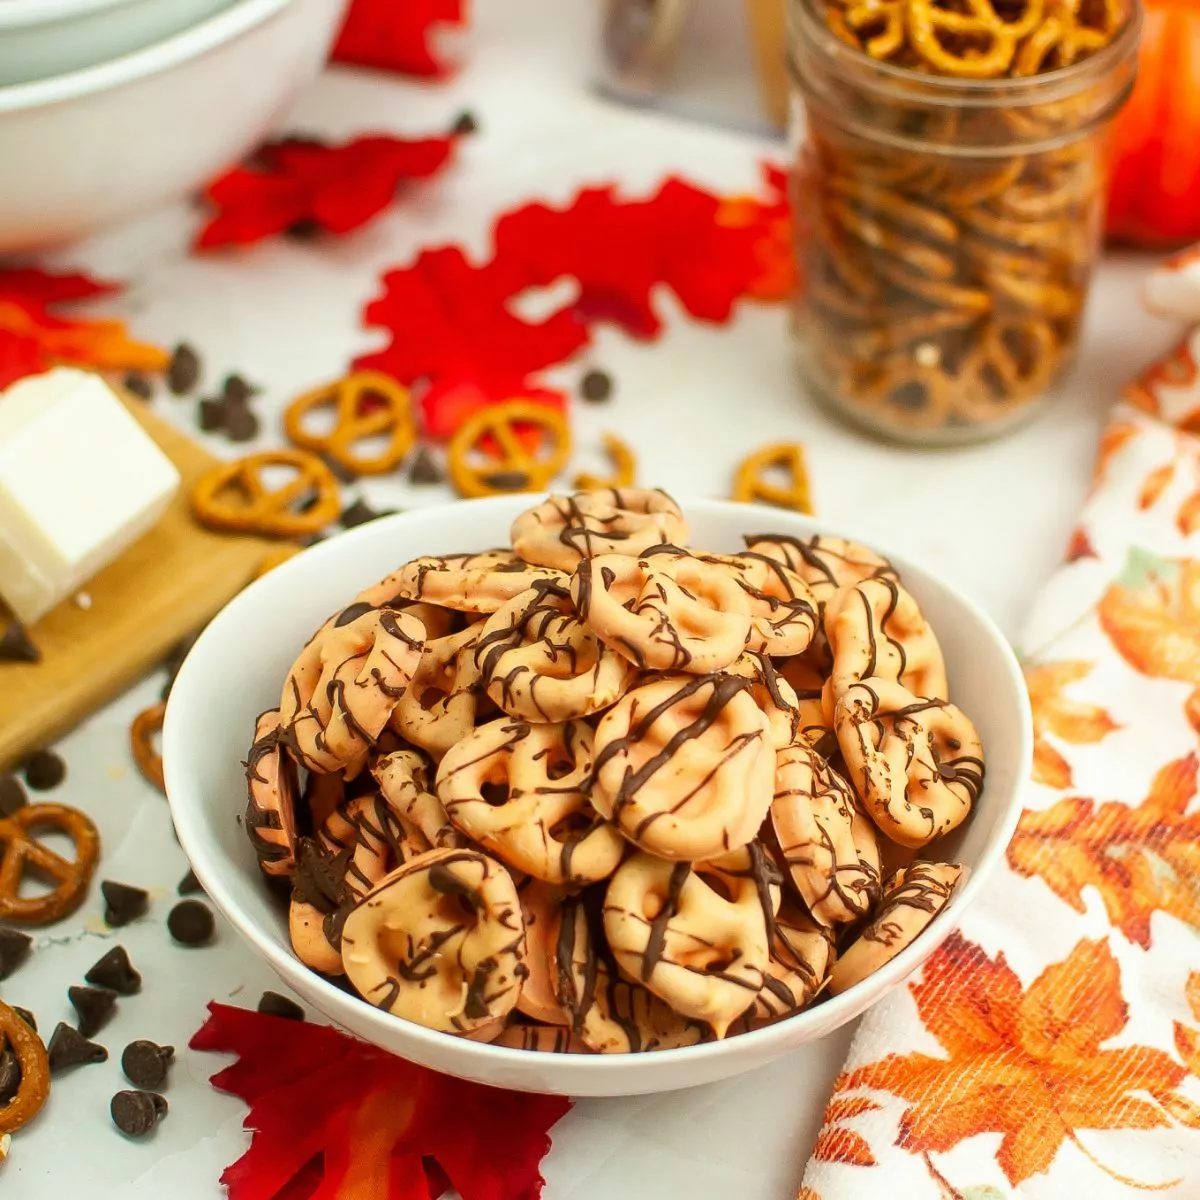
[(234, 496), (514, 466), (624, 463), (147, 725), (752, 483), (34, 1063), (23, 854)]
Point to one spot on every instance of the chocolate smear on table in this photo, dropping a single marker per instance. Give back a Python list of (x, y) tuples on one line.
[(139, 384), (135, 1114), (26, 1016), (596, 386), (360, 512), (10, 1077), (16, 645), (465, 125), (44, 770), (272, 1004), (183, 372), (191, 923), (123, 903), (12, 796), (145, 1063), (14, 950), (189, 885), (115, 972), (425, 468), (69, 1048), (95, 1007)]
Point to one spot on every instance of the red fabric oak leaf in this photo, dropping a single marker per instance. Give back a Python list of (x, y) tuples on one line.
[(394, 35), (300, 183), (34, 339), (336, 1119)]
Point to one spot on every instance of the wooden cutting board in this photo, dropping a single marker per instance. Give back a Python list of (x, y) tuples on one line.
[(165, 586)]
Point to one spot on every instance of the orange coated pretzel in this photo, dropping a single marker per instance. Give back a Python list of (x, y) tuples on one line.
[(367, 405), (515, 468), (23, 853), (35, 1070), (146, 726), (233, 496), (751, 484), (624, 463)]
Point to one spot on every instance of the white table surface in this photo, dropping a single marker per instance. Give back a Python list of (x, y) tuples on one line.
[(993, 518)]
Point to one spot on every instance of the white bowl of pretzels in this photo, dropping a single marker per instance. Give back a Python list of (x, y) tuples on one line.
[(592, 813)]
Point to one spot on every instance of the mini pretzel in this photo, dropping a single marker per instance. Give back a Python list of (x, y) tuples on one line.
[(802, 953), (752, 485), (34, 1065), (824, 563), (1016, 362), (932, 30), (474, 583), (271, 790), (664, 611), (916, 764), (895, 206), (541, 906), (147, 725), (342, 689), (814, 725), (367, 405), (624, 463), (440, 941), (322, 794), (438, 707), (827, 842), (523, 792), (685, 766), (670, 930), (564, 529), (515, 468), (21, 853), (783, 610), (876, 628), (773, 694), (405, 779), (546, 1039), (912, 898), (537, 660), (610, 1012), (883, 238), (233, 496)]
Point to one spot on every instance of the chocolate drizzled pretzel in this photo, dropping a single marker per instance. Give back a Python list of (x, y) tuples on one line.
[(475, 583), (271, 791)]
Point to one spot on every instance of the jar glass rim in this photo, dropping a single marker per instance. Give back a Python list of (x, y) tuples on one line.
[(1059, 81)]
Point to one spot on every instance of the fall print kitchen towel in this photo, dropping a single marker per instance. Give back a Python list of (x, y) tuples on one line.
[(1050, 1048)]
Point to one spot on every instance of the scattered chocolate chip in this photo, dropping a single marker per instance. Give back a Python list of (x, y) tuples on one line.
[(236, 390), (306, 229), (14, 950), (10, 1076), (210, 414), (240, 423), (465, 125), (135, 1114), (95, 1007), (174, 661), (341, 472), (44, 770), (306, 501), (191, 923), (275, 1005), (145, 1064), (26, 1016), (69, 1048), (360, 512), (189, 885), (12, 797), (115, 972), (16, 645), (424, 468), (596, 386), (140, 384), (183, 372), (123, 903), (507, 481)]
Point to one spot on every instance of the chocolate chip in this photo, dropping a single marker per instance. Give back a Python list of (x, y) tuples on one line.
[(235, 389), (183, 373), (306, 501), (14, 950), (596, 386), (507, 481), (191, 923), (12, 797), (26, 1016), (360, 512), (210, 414), (340, 471), (189, 885), (135, 1114), (10, 1076), (240, 423), (69, 1048), (272, 1004), (465, 125), (424, 468), (16, 645), (145, 1064), (140, 384), (95, 1007), (44, 770), (307, 229), (115, 972), (123, 903)]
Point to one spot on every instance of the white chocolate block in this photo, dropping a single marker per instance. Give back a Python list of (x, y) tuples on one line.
[(80, 481)]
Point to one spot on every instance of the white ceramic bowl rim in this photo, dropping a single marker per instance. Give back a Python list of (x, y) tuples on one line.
[(170, 52), (45, 12), (283, 962)]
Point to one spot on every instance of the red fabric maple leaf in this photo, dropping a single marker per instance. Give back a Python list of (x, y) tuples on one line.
[(34, 339), (336, 1119), (300, 182), (394, 35)]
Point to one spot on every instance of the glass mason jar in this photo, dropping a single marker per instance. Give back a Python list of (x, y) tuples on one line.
[(946, 226)]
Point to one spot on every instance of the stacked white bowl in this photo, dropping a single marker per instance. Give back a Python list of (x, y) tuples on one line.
[(111, 107)]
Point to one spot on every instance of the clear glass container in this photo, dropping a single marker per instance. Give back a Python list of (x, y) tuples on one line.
[(946, 229)]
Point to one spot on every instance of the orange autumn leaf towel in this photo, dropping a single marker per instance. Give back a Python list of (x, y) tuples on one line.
[(1050, 1049)]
